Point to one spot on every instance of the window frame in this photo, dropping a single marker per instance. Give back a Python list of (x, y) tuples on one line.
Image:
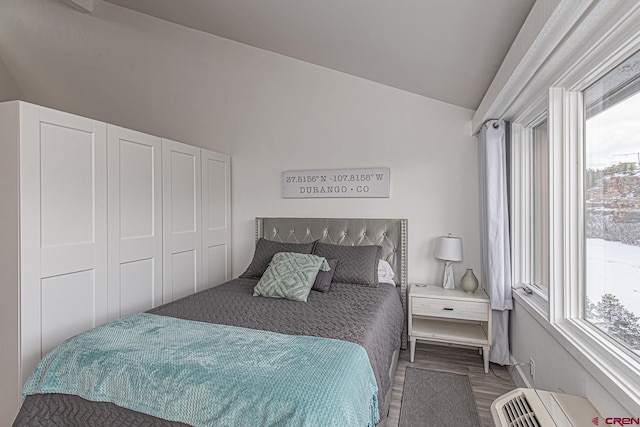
[(580, 42), (541, 217), (521, 176), (604, 357)]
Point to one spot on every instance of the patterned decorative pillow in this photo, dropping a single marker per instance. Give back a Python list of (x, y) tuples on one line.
[(290, 275), (266, 249), (324, 278), (356, 264)]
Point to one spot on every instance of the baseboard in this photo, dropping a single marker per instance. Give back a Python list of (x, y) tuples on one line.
[(518, 374)]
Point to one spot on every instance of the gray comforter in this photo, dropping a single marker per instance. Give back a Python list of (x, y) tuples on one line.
[(371, 317)]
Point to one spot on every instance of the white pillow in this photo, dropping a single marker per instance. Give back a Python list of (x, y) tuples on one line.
[(385, 272)]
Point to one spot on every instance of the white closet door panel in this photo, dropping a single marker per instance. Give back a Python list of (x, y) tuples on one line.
[(181, 170), (137, 286), (63, 228), (216, 217), (184, 191), (216, 173), (137, 185), (216, 236), (63, 316), (217, 265), (135, 221), (67, 185), (184, 274), (57, 261), (184, 241), (130, 249)]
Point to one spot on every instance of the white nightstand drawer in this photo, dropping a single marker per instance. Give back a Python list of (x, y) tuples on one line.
[(450, 309)]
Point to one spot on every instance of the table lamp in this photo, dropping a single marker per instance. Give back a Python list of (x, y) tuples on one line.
[(448, 249)]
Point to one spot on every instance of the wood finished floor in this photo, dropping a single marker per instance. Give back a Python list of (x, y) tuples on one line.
[(486, 387)]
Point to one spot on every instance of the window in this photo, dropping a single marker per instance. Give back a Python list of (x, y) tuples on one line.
[(594, 126), (529, 197), (540, 208), (611, 198), (569, 120)]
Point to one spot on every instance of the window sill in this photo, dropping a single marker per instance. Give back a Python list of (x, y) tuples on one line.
[(534, 304), (614, 369)]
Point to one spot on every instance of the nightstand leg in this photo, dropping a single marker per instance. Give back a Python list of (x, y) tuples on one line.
[(412, 349), (485, 356)]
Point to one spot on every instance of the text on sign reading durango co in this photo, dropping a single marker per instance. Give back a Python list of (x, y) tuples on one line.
[(336, 183)]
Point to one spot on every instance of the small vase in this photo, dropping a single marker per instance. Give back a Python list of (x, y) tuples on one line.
[(469, 282)]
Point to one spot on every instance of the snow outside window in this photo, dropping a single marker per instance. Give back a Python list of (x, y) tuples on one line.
[(611, 173)]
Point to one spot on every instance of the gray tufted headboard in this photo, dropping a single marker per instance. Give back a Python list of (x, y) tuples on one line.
[(390, 234)]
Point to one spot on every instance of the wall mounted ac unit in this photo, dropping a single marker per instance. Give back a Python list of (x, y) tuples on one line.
[(536, 408)]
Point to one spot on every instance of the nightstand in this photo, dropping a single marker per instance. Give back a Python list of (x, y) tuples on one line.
[(450, 316)]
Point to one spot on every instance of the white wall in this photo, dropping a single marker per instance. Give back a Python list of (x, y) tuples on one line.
[(9, 262), (517, 65), (556, 369), (343, 122), (9, 90), (270, 112)]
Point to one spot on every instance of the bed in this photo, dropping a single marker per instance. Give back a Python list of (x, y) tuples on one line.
[(365, 320)]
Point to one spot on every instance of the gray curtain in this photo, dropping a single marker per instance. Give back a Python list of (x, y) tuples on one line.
[(494, 216)]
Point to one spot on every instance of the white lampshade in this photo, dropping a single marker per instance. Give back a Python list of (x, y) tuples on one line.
[(449, 248)]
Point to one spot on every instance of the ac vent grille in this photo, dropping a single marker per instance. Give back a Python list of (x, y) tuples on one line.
[(519, 413)]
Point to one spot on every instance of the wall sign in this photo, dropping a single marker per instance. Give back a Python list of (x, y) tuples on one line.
[(336, 183)]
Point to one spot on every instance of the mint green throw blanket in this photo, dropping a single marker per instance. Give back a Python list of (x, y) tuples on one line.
[(207, 374)]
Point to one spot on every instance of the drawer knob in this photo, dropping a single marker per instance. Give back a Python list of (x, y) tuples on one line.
[(448, 309)]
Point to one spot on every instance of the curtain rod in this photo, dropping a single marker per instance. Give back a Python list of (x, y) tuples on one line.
[(496, 123)]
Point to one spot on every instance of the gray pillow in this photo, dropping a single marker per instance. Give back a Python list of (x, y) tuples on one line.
[(324, 278), (356, 264), (266, 249), (290, 275)]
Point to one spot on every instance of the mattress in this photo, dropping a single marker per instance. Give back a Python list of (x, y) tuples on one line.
[(368, 316)]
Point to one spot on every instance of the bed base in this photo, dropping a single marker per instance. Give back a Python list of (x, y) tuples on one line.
[(387, 399)]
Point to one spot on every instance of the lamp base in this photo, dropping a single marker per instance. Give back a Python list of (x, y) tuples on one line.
[(447, 280)]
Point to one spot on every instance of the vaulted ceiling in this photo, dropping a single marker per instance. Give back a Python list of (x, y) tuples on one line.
[(447, 50)]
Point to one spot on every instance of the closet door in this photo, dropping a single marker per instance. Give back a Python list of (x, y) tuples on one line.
[(63, 229), (181, 210), (216, 218), (135, 221)]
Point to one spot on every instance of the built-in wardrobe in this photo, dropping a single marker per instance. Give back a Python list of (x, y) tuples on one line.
[(98, 222)]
